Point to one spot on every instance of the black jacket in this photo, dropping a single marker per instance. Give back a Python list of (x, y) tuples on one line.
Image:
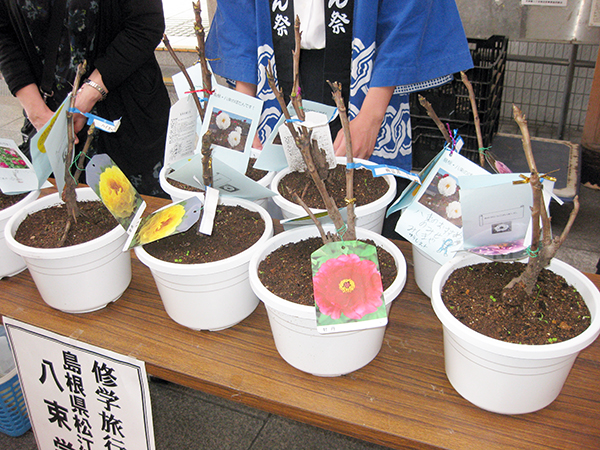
[(128, 32)]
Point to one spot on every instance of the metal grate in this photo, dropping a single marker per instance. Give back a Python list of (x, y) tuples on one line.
[(536, 79)]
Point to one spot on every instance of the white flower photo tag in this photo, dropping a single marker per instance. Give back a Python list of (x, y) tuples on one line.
[(318, 124), (432, 217), (347, 287)]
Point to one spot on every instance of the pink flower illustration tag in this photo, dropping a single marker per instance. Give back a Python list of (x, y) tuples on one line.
[(347, 287)]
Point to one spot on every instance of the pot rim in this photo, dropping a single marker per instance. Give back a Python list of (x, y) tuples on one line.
[(214, 266), (522, 351), (295, 309), (83, 193), (284, 203), (31, 196)]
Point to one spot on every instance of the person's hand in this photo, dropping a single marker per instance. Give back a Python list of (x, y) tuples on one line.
[(40, 117), (86, 98), (35, 108), (364, 128), (363, 133)]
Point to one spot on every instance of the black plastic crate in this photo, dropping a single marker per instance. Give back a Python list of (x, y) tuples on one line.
[(427, 141), (451, 101)]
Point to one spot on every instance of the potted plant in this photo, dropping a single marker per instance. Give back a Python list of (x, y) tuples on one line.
[(512, 377), (369, 215), (211, 295), (202, 279), (297, 336), (59, 272)]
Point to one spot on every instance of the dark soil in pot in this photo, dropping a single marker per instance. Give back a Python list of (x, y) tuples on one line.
[(8, 200), (367, 188), (287, 272), (235, 229), (554, 313), (45, 228)]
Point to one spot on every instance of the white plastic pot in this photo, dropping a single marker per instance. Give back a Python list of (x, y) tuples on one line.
[(504, 377), (11, 263), (425, 269), (208, 296), (368, 217), (80, 278), (294, 326)]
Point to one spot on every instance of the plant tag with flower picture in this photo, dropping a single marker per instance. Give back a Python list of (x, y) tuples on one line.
[(432, 219), (17, 174), (232, 118), (167, 221), (347, 287), (116, 191)]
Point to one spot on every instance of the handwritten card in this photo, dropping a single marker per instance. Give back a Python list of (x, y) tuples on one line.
[(432, 218), (318, 127)]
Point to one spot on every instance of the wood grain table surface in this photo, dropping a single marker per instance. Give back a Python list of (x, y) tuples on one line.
[(402, 399)]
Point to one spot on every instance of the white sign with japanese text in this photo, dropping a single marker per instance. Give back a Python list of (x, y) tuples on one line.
[(80, 396)]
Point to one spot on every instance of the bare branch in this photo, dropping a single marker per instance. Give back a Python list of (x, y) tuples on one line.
[(431, 113), (336, 88), (200, 49), (476, 119), (185, 74), (296, 95)]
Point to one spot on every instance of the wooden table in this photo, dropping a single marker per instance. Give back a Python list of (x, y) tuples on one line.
[(402, 399)]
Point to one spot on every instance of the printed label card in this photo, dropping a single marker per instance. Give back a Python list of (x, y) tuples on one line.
[(432, 218), (273, 156), (169, 220), (497, 214), (230, 181), (49, 147), (182, 131), (115, 190), (232, 118), (318, 125), (347, 287), (17, 174)]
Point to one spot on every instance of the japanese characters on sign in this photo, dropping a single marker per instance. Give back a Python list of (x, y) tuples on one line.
[(80, 397)]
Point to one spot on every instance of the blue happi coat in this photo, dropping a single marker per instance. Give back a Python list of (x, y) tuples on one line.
[(410, 44)]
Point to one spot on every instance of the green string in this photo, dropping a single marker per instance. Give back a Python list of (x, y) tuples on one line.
[(342, 231), (483, 149), (531, 253), (74, 163)]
